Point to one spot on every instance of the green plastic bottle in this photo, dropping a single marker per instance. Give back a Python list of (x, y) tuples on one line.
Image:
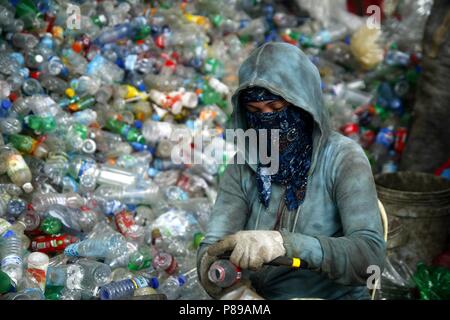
[(140, 259), (210, 96), (40, 125), (6, 283), (129, 133), (25, 144), (82, 104)]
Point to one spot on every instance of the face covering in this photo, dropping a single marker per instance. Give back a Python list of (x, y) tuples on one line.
[(295, 152)]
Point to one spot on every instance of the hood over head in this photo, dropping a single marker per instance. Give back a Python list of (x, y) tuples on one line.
[(285, 70)]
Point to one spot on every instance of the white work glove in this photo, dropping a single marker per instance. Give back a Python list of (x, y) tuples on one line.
[(251, 249)]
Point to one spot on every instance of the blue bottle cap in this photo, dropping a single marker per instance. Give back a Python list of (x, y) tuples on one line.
[(181, 280), (154, 283), (138, 146), (347, 40), (120, 63), (138, 124), (151, 149), (131, 207), (141, 87), (152, 172), (6, 104), (156, 117)]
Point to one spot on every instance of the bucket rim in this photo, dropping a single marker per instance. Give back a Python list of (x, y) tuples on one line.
[(443, 192)]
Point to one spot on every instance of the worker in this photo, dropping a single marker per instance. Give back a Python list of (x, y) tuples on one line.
[(320, 206)]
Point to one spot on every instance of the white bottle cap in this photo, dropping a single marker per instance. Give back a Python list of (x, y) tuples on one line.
[(28, 187)]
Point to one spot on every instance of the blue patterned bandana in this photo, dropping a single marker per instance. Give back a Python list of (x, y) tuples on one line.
[(295, 152)]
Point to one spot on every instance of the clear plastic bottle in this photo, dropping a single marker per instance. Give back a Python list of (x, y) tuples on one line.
[(144, 192), (68, 275), (25, 41), (331, 34), (41, 202), (172, 286), (96, 274), (69, 217), (126, 288), (11, 255), (10, 125), (140, 259), (4, 200), (80, 166)]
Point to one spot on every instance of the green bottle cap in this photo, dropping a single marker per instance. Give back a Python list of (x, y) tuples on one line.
[(198, 238), (143, 33), (6, 284), (217, 20), (51, 225)]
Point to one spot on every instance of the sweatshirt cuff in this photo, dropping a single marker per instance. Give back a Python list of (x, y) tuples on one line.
[(305, 247)]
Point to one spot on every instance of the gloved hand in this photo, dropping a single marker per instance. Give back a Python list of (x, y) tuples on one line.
[(251, 249)]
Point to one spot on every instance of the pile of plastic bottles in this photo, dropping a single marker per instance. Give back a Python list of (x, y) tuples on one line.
[(92, 205)]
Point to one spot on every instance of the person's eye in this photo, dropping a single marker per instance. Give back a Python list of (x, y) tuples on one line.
[(279, 107)]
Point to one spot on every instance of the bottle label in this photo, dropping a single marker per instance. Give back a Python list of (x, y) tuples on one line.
[(4, 225), (85, 166), (72, 250), (11, 260), (140, 282)]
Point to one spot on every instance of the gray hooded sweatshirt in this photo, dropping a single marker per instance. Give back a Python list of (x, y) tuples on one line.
[(337, 230)]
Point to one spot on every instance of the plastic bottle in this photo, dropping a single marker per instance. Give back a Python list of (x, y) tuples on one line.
[(172, 286), (41, 202), (28, 145), (16, 168), (37, 268), (11, 189), (145, 192), (89, 173), (140, 259), (165, 262), (224, 273), (52, 243), (331, 34), (69, 276), (126, 288), (96, 274), (10, 125), (6, 283), (126, 226), (380, 149), (11, 255)]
